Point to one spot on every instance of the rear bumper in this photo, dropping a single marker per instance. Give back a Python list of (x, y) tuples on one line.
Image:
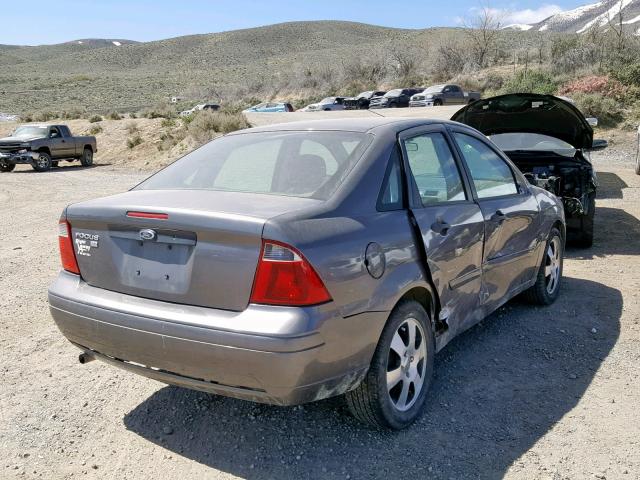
[(276, 355)]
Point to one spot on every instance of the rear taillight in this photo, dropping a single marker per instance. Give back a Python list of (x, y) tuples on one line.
[(67, 255), (285, 277)]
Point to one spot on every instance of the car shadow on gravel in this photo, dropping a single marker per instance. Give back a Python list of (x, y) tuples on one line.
[(498, 389), (616, 232), (611, 186)]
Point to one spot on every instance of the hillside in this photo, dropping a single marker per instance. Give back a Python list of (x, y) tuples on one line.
[(132, 76)]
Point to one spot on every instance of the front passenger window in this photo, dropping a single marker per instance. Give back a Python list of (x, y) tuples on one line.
[(491, 175)]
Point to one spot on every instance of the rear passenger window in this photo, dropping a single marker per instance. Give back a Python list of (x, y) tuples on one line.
[(491, 175), (434, 169)]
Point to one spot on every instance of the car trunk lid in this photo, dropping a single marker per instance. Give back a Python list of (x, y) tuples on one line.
[(528, 113), (181, 246)]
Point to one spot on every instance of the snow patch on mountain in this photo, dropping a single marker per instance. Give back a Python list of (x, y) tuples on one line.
[(607, 16), (518, 26)]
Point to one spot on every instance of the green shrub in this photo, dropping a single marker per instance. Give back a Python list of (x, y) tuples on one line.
[(531, 81), (206, 124), (134, 141), (114, 116), (163, 110), (132, 128), (94, 130), (95, 119), (44, 116), (607, 110), (71, 114), (627, 74), (168, 123)]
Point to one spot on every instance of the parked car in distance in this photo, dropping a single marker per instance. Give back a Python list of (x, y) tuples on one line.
[(326, 104), (396, 98), (438, 95), (214, 107), (361, 101), (43, 146), (270, 107), (295, 262), (550, 141)]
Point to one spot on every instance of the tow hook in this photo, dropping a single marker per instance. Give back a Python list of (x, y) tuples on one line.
[(86, 357)]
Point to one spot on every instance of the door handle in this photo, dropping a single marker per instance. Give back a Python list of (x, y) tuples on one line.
[(441, 227), (499, 216)]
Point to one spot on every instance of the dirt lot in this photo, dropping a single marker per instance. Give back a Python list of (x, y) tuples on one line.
[(530, 393)]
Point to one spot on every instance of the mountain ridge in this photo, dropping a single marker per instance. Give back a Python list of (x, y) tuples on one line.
[(593, 15)]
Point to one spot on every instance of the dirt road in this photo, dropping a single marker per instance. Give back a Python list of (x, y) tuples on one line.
[(530, 393)]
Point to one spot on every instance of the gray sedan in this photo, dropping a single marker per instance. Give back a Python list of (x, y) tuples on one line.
[(292, 263)]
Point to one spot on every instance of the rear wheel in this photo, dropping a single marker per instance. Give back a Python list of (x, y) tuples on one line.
[(394, 390), (7, 167), (87, 157), (437, 103), (545, 290), (43, 163)]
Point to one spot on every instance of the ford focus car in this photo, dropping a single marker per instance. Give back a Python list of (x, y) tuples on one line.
[(287, 264)]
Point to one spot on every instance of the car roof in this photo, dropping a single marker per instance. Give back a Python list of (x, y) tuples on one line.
[(364, 125)]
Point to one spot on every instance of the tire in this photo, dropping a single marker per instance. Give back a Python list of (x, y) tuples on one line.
[(585, 236), (86, 160), (43, 163), (372, 402), (7, 167), (544, 292), (437, 103)]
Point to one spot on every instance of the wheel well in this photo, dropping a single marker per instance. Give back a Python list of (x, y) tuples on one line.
[(45, 150), (561, 228), (89, 147), (424, 298)]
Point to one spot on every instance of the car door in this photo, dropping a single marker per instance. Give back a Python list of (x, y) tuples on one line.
[(511, 215), (451, 224), (57, 145), (456, 95), (69, 144)]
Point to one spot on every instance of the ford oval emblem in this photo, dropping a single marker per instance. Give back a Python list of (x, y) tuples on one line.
[(148, 234)]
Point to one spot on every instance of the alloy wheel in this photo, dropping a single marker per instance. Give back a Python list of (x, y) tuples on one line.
[(406, 364), (552, 265)]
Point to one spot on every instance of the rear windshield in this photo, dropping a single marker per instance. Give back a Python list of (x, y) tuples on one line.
[(297, 164)]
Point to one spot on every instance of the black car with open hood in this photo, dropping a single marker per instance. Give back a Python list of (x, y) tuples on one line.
[(550, 140)]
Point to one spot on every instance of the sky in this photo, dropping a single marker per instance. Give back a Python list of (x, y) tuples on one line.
[(35, 22)]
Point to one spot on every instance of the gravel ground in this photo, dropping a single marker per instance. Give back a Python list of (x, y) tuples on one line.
[(529, 393)]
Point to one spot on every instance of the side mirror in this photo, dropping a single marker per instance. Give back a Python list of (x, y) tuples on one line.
[(593, 121), (599, 145)]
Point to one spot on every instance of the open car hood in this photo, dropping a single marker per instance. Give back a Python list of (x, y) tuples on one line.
[(528, 113)]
